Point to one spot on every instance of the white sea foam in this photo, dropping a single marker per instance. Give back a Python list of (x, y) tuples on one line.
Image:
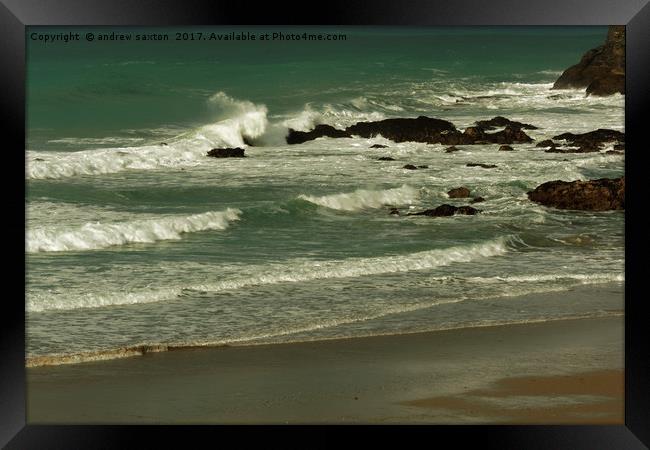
[(97, 235), (361, 199), (591, 278), (339, 116), (236, 120), (298, 271)]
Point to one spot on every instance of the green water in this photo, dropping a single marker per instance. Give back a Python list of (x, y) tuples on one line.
[(130, 241)]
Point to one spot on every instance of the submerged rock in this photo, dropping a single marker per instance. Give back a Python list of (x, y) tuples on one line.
[(451, 149), (506, 148), (410, 167), (447, 210), (477, 200), (378, 146), (593, 195), (485, 166), (460, 192), (227, 153), (385, 158), (601, 70), (298, 137), (394, 212)]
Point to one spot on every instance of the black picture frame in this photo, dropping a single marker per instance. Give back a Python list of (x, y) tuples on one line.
[(15, 15)]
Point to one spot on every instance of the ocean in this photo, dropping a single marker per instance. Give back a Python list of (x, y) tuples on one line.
[(135, 238)]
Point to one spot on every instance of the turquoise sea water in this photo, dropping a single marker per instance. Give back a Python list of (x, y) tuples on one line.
[(132, 242)]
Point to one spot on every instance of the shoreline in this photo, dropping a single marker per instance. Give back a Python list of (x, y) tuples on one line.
[(379, 379), (584, 291), (136, 350)]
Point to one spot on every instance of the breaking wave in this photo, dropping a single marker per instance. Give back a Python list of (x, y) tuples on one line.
[(97, 235), (298, 271)]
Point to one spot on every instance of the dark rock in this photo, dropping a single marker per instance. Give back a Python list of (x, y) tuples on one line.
[(163, 143), (506, 148), (227, 153), (593, 195), (510, 135), (423, 167), (477, 200), (485, 166), (247, 141), (451, 149), (592, 141), (460, 192), (500, 121), (614, 152), (601, 70), (597, 136), (421, 129), (298, 137), (39, 159), (619, 147), (447, 210), (474, 133), (378, 146), (410, 167), (385, 158), (394, 211)]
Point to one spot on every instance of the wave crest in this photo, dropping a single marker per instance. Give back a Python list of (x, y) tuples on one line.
[(298, 271), (93, 236)]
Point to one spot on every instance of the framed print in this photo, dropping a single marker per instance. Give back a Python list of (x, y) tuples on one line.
[(377, 215)]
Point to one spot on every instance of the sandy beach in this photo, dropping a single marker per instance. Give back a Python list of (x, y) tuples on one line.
[(560, 372)]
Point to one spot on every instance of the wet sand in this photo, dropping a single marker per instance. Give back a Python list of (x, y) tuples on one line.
[(560, 372)]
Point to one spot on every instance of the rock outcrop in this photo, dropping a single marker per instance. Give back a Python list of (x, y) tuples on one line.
[(227, 153), (601, 70), (447, 210), (593, 141), (593, 195), (421, 129), (500, 121), (298, 137)]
